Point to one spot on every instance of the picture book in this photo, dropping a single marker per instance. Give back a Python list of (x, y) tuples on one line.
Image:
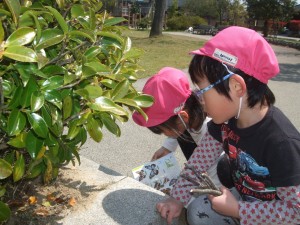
[(160, 174)]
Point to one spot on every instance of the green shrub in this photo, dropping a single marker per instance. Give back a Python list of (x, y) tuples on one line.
[(183, 22), (66, 72), (144, 23)]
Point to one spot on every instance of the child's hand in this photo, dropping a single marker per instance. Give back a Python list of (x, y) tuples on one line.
[(160, 153), (169, 209), (225, 204)]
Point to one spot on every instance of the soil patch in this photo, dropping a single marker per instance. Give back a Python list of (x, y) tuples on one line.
[(37, 204)]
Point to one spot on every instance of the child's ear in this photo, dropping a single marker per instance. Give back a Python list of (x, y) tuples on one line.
[(237, 85), (184, 115)]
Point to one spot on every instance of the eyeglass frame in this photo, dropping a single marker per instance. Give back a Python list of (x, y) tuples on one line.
[(200, 92)]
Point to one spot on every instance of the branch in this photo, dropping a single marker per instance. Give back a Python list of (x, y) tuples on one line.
[(65, 53)]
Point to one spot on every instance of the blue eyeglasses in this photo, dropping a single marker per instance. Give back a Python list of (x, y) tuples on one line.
[(200, 92)]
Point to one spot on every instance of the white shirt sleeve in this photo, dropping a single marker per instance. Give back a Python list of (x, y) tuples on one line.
[(170, 144)]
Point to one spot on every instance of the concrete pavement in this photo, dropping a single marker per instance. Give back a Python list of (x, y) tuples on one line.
[(127, 202)]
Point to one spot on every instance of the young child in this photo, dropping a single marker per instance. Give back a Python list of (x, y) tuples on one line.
[(176, 110), (263, 147)]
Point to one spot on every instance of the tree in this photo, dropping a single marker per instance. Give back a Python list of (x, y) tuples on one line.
[(173, 9), (222, 9), (274, 10), (158, 19), (206, 9), (237, 13), (66, 72)]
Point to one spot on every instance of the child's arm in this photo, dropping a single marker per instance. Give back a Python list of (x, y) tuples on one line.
[(203, 157), (169, 145), (283, 211)]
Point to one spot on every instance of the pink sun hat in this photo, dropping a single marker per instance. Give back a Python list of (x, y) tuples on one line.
[(170, 89), (244, 49)]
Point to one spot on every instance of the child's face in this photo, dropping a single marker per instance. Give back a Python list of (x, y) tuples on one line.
[(217, 106), (175, 131)]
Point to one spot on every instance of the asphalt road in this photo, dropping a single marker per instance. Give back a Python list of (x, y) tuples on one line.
[(136, 144)]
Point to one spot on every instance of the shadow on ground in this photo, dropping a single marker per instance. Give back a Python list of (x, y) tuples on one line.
[(131, 206)]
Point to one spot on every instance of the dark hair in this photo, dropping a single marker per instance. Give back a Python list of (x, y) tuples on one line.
[(205, 67), (195, 112)]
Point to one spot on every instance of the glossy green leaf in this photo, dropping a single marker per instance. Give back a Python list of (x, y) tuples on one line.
[(92, 18), (84, 23), (5, 169), (38, 124), (29, 68), (2, 191), (26, 20), (35, 171), (46, 115), (30, 88), (93, 91), (16, 122), (67, 107), (33, 144), (15, 101), (111, 35), (144, 100), (53, 83), (54, 97), (4, 13), (51, 141), (42, 60), (10, 157), (142, 113), (77, 11), (92, 52), (50, 37), (14, 8), (110, 124), (70, 77), (94, 67), (128, 102), (113, 21), (37, 101), (103, 104), (19, 168), (53, 70), (108, 83), (73, 131), (18, 141), (37, 25), (1, 32), (81, 34), (4, 212), (21, 36), (6, 87), (120, 90), (61, 21), (127, 44), (20, 53), (94, 129)]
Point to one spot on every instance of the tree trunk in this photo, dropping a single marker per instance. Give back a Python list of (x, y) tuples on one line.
[(266, 28), (157, 23)]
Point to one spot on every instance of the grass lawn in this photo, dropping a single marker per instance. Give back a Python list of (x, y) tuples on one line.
[(167, 50)]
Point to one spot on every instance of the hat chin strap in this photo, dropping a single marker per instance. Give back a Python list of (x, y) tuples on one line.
[(182, 121), (240, 106)]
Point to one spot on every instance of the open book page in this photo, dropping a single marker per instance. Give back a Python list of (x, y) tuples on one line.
[(160, 174)]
